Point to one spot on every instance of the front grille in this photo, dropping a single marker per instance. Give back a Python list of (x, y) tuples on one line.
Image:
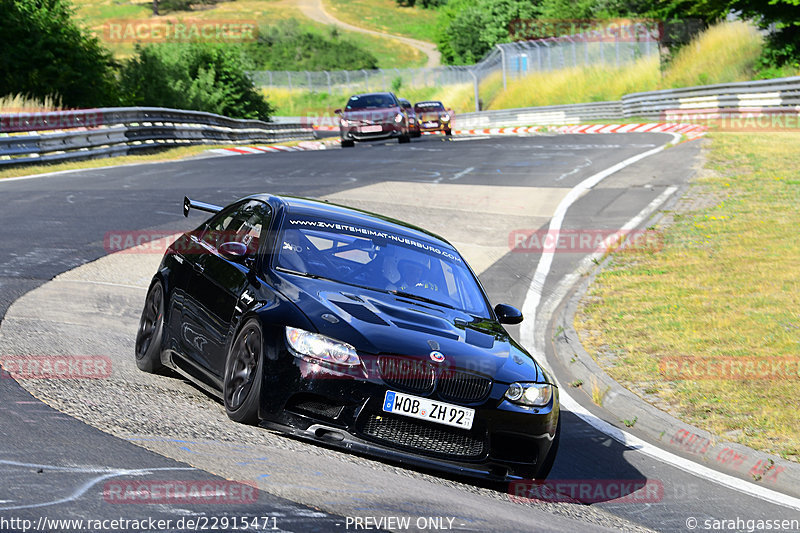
[(405, 373), (421, 436), (462, 386)]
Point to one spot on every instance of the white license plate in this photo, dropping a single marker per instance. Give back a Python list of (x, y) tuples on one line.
[(370, 129), (430, 410), (430, 124)]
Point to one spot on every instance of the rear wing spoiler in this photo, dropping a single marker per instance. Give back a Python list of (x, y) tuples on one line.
[(200, 206)]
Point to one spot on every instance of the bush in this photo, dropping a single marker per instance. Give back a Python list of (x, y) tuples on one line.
[(45, 53), (468, 29), (199, 76), (288, 47)]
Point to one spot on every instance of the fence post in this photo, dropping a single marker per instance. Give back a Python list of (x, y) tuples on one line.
[(289, 75), (366, 80), (347, 80), (310, 86), (328, 74), (477, 97), (503, 60)]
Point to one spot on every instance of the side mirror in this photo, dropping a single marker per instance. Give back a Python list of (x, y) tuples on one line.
[(337, 112), (233, 251), (508, 314)]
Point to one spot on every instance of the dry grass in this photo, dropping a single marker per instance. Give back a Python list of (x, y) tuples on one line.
[(724, 53), (17, 103), (385, 16), (579, 85), (724, 285)]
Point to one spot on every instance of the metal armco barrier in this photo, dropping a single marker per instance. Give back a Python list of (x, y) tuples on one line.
[(106, 132), (557, 114), (769, 94)]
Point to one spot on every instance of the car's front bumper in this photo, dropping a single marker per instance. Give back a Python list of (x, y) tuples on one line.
[(339, 409), (354, 133)]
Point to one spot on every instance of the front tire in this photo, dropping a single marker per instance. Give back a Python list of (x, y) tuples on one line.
[(244, 368), (448, 132), (151, 330), (347, 143), (403, 139)]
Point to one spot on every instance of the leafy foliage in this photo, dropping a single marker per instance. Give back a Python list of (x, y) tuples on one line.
[(424, 3), (45, 53), (468, 29), (198, 76), (289, 47)]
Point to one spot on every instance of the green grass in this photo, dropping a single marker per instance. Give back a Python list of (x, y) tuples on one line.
[(385, 16), (95, 13), (724, 285)]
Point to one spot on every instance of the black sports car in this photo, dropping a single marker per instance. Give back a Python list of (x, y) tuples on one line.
[(353, 329)]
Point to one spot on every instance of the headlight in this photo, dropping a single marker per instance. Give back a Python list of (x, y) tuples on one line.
[(398, 118), (321, 347), (411, 120), (445, 118), (533, 394), (345, 123)]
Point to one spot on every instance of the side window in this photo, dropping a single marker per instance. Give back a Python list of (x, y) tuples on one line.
[(243, 224)]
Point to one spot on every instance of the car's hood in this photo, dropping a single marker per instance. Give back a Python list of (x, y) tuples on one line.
[(382, 323), (372, 115)]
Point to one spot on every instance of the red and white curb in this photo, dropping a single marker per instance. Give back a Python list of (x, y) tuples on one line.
[(690, 131), (272, 148)]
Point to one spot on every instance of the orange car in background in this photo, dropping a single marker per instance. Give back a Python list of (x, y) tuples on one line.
[(432, 116)]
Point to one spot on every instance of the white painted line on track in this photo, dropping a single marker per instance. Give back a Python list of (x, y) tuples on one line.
[(691, 467), (528, 338), (534, 294), (462, 173)]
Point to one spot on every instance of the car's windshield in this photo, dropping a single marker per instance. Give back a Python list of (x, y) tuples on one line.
[(379, 260), (370, 101), (421, 107)]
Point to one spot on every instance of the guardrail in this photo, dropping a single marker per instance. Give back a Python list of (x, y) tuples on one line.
[(556, 114), (106, 132), (774, 93)]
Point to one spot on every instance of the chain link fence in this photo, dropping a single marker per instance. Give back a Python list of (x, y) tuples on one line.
[(512, 60)]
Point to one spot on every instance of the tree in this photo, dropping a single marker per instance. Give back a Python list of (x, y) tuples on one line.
[(200, 76), (45, 53), (468, 29)]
